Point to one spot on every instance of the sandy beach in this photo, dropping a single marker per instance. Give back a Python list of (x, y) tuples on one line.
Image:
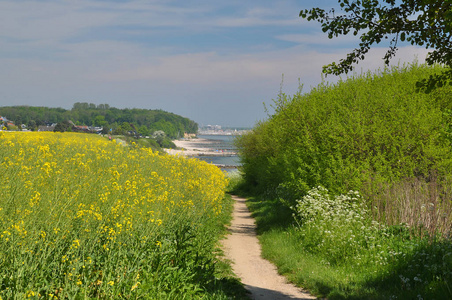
[(196, 147)]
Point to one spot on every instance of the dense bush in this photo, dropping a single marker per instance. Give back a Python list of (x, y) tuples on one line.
[(374, 134), (360, 134)]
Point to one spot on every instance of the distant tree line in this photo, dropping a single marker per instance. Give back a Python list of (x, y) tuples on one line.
[(117, 121)]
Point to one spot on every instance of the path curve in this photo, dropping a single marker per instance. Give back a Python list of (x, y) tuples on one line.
[(259, 276)]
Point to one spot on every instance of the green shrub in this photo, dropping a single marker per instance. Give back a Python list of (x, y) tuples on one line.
[(359, 134), (374, 134), (339, 228)]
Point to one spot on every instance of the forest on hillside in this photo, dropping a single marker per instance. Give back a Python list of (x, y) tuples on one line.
[(120, 121)]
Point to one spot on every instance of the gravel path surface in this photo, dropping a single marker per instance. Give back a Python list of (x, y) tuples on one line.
[(259, 276)]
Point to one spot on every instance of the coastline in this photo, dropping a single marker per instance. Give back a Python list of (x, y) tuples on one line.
[(193, 147)]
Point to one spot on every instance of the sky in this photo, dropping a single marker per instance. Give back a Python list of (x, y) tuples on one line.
[(215, 62)]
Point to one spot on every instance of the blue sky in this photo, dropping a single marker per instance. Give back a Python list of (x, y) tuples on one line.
[(215, 62)]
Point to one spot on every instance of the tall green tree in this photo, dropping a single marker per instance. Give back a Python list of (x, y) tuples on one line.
[(424, 23), (63, 126), (99, 121)]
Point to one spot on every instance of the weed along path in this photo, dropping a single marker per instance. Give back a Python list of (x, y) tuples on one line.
[(257, 274)]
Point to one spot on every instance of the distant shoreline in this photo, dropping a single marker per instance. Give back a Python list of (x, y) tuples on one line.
[(191, 147)]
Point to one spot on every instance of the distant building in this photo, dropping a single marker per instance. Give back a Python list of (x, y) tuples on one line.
[(82, 127), (213, 127)]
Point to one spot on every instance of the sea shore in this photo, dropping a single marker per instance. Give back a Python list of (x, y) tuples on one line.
[(196, 147)]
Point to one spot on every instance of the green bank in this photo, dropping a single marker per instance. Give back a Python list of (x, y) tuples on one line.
[(351, 186)]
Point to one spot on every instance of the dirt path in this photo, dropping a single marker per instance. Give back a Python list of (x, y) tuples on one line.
[(257, 274)]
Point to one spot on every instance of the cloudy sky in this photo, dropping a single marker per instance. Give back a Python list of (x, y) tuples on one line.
[(215, 62)]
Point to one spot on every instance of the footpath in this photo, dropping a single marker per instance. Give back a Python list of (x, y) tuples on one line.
[(259, 276)]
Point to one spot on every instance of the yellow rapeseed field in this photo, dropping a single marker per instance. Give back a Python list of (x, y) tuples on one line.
[(84, 217)]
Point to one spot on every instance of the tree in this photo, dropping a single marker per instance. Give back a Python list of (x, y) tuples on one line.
[(18, 122), (63, 126), (420, 22), (32, 125), (99, 121), (125, 126), (143, 130)]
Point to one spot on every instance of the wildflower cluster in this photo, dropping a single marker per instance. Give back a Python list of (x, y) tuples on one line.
[(340, 231), (338, 227), (80, 215)]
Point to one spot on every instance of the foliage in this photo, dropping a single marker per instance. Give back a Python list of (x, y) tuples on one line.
[(375, 134), (82, 217), (419, 22), (121, 121), (163, 140), (235, 180), (336, 251), (359, 134), (63, 126), (340, 232), (337, 229)]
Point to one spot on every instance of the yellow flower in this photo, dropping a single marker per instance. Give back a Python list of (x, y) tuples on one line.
[(30, 294), (75, 244)]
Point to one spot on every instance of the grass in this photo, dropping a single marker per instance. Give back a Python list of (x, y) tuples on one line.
[(400, 266), (85, 218), (417, 204)]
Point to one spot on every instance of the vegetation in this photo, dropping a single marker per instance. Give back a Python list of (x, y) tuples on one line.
[(364, 133), (331, 257), (121, 121), (82, 217), (376, 136), (419, 22)]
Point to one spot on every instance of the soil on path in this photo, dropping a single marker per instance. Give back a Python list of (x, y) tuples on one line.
[(259, 276)]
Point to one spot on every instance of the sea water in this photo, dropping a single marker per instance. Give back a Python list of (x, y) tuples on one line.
[(220, 143)]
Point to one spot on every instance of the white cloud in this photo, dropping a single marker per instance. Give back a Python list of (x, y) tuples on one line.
[(317, 39), (254, 21), (33, 20), (55, 53), (199, 85), (58, 20), (211, 69)]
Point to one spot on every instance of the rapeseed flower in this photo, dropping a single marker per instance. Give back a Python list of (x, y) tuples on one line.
[(75, 202)]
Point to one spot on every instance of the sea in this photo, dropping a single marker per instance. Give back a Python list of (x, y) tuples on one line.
[(221, 143)]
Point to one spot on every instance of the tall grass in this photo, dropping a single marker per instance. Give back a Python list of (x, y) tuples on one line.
[(81, 217), (425, 207)]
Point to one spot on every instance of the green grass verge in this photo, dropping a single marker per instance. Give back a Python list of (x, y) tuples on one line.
[(403, 278)]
